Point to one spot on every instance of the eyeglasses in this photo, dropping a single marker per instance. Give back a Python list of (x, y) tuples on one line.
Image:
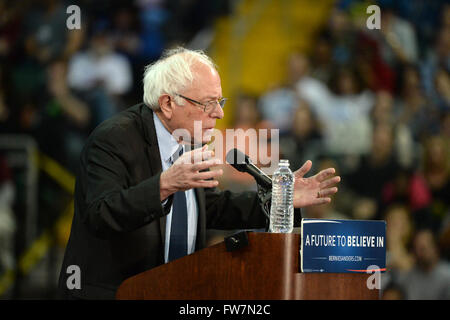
[(208, 106)]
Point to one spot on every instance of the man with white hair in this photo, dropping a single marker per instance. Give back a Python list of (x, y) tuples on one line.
[(142, 198)]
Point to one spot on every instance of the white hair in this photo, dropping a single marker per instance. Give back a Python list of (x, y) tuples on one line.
[(171, 74)]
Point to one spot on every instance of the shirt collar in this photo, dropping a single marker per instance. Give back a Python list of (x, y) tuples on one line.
[(166, 142)]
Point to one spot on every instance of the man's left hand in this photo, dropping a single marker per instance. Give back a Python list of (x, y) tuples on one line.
[(316, 189)]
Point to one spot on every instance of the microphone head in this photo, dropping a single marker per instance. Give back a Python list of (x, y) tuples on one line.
[(237, 159), (241, 162)]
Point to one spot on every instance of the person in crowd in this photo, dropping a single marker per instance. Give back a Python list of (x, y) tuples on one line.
[(378, 167), (436, 171), (399, 232), (304, 140), (437, 57), (278, 105), (321, 58), (155, 27), (343, 109), (429, 279), (385, 111), (47, 37), (343, 36), (100, 74), (125, 32), (409, 187), (67, 116), (397, 39), (415, 110), (442, 81)]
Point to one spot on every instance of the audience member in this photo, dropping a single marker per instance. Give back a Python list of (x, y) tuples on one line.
[(407, 187), (442, 81), (436, 58), (344, 111), (415, 110), (47, 37), (378, 167), (304, 140), (100, 74), (278, 105), (399, 231), (430, 276), (436, 171), (397, 39)]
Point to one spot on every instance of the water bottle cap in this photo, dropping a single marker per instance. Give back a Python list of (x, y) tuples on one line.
[(284, 163)]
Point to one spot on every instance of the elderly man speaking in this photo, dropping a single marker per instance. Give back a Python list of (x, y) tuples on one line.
[(139, 199)]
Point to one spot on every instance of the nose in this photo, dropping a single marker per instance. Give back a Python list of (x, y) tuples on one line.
[(217, 112)]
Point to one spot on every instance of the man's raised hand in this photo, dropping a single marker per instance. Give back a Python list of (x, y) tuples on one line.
[(186, 172)]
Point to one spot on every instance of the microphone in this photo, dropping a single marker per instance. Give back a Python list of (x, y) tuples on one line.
[(241, 162)]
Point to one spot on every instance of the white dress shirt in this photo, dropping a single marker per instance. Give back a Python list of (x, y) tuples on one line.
[(167, 148)]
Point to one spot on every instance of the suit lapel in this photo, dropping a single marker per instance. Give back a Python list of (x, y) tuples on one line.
[(152, 140), (153, 154)]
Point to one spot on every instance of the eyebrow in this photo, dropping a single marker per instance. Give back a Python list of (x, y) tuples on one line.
[(212, 98)]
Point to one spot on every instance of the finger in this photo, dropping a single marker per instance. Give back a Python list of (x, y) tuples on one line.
[(205, 184), (208, 175), (204, 155), (204, 164), (318, 201), (322, 175), (328, 192), (193, 150), (329, 182), (304, 169), (195, 156)]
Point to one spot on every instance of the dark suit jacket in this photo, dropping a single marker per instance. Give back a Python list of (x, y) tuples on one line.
[(118, 228)]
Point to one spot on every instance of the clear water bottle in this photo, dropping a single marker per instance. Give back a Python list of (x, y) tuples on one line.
[(282, 209)]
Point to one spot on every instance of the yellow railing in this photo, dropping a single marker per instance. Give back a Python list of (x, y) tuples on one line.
[(57, 234)]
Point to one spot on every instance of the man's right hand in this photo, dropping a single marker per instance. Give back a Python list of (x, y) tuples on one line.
[(185, 173)]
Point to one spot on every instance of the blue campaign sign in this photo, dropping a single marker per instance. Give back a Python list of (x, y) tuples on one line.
[(343, 246)]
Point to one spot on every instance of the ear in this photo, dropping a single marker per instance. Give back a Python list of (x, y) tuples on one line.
[(165, 104)]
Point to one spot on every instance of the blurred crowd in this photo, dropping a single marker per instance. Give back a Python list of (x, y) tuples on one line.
[(374, 104), (57, 84), (59, 80)]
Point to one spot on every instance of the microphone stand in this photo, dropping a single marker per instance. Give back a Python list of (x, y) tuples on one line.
[(265, 200)]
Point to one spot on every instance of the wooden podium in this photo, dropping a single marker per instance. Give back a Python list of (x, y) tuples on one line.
[(267, 268)]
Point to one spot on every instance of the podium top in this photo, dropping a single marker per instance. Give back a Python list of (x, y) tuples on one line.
[(267, 268)]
